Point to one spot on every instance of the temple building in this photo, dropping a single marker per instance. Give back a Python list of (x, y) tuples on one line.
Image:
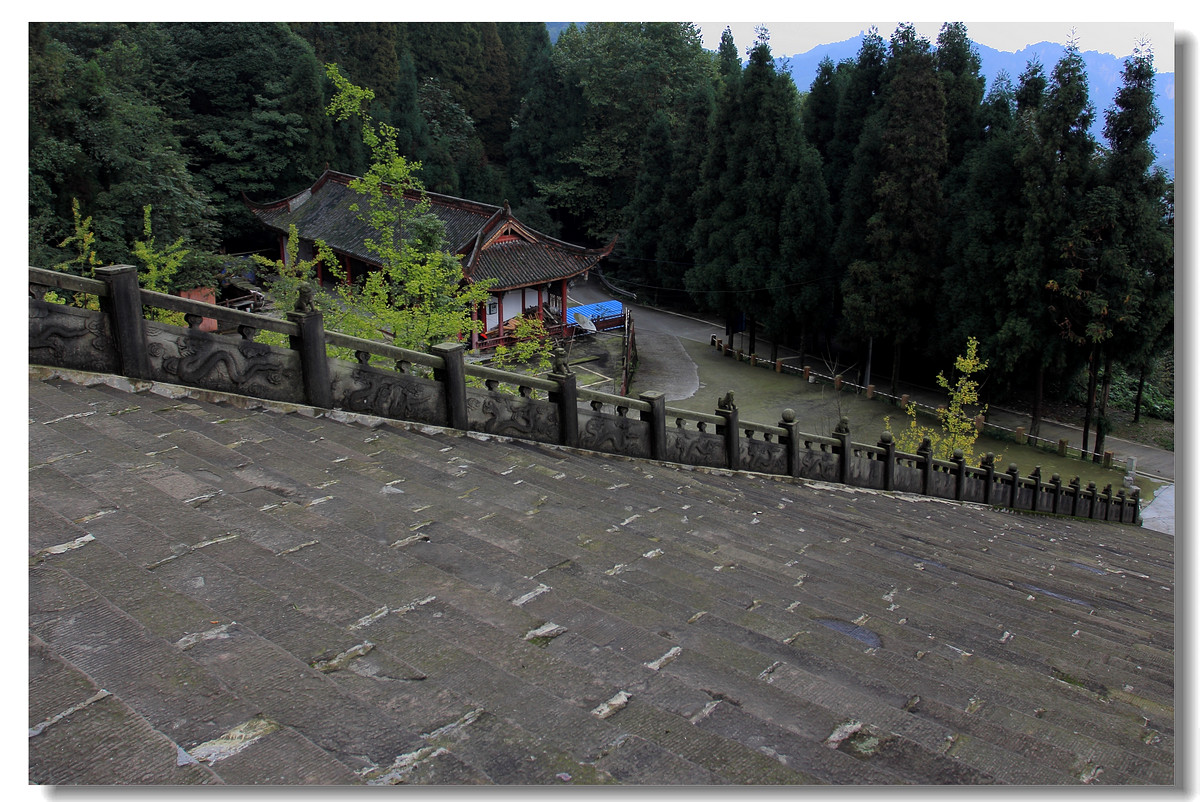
[(531, 270)]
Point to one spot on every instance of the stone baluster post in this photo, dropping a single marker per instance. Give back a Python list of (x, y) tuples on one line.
[(988, 463), (925, 452), (310, 345), (960, 473), (733, 447), (657, 420), (567, 399), (887, 442), (1056, 483), (453, 378), (791, 442), (842, 433), (124, 309)]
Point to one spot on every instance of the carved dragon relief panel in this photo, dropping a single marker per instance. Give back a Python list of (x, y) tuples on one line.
[(818, 465), (763, 456), (512, 415), (695, 448), (69, 337), (217, 362), (614, 434), (389, 394)]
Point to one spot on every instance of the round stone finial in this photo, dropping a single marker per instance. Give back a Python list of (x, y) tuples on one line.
[(789, 415)]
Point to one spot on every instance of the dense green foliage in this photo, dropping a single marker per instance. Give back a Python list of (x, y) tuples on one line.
[(893, 204)]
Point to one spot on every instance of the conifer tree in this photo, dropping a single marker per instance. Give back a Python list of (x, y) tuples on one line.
[(985, 220), (254, 119), (886, 292), (1055, 156), (761, 205), (857, 103), (820, 108), (1118, 256), (959, 70), (1145, 226)]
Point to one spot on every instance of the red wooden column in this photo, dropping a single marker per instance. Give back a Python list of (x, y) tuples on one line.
[(563, 310), (540, 317), (500, 315)]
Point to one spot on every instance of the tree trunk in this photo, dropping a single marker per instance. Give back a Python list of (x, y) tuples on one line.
[(1093, 374), (1035, 423), (1137, 403), (1102, 415), (867, 370), (896, 369), (753, 333)]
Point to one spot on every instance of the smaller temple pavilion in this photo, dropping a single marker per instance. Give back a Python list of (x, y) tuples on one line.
[(531, 270)]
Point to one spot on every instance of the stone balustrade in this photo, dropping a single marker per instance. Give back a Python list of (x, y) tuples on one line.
[(441, 388)]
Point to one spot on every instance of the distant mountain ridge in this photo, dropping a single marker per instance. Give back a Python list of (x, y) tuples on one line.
[(1103, 71)]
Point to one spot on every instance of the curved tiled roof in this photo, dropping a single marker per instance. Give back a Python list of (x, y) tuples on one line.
[(494, 245)]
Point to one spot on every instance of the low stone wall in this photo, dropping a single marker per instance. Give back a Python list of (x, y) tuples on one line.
[(441, 388)]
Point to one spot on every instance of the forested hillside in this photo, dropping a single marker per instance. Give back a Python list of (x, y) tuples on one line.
[(890, 209)]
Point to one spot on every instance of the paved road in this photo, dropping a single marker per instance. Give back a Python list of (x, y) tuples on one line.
[(665, 365)]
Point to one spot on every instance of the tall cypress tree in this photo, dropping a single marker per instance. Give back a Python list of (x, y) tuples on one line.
[(1055, 156), (985, 220), (820, 108), (1145, 226), (1118, 256), (886, 293), (638, 250), (755, 224), (959, 70), (856, 104), (678, 212)]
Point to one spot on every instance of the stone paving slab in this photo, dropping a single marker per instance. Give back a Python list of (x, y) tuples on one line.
[(384, 604)]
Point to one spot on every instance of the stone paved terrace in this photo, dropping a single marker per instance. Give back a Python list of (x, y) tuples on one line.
[(220, 593)]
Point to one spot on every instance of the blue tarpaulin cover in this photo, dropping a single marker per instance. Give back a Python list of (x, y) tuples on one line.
[(601, 311)]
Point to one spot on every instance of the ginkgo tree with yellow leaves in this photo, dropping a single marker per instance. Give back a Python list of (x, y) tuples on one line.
[(957, 430), (417, 296)]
